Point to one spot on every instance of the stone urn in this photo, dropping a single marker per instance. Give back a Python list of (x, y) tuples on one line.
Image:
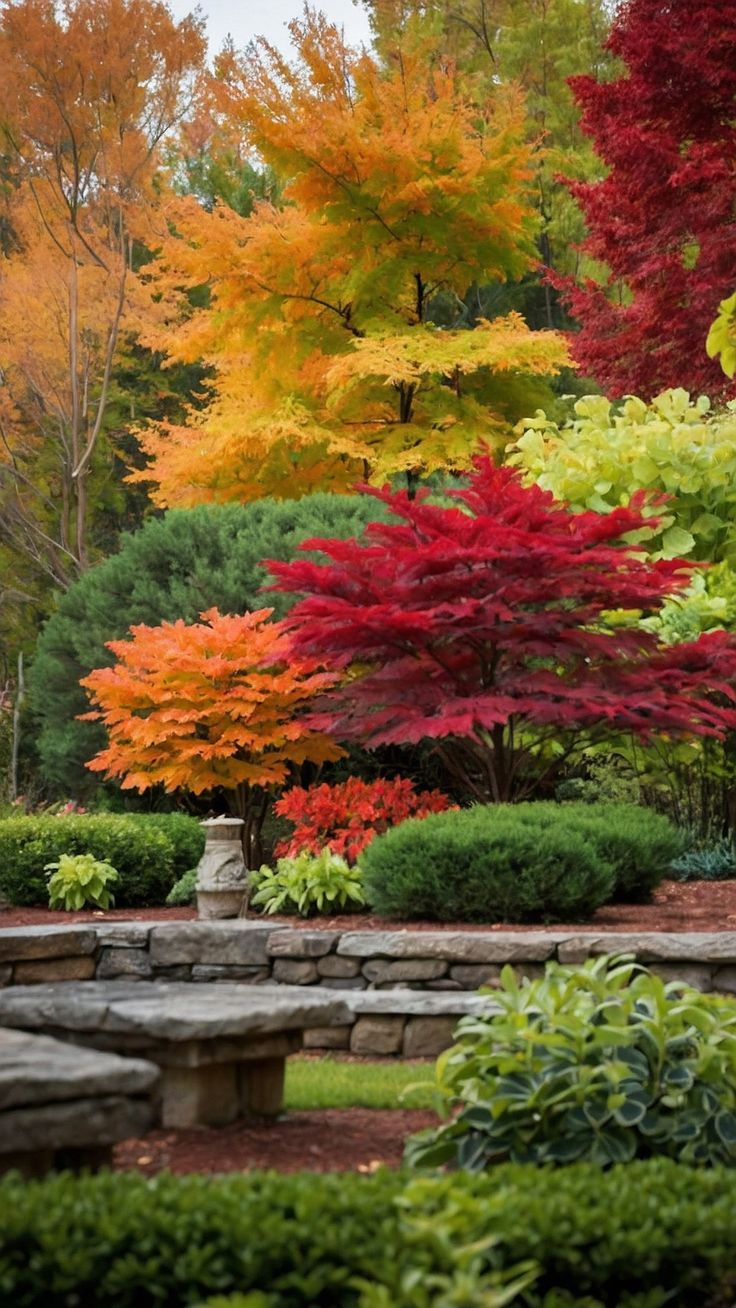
[(222, 878)]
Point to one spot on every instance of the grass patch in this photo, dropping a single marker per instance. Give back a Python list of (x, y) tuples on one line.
[(331, 1083)]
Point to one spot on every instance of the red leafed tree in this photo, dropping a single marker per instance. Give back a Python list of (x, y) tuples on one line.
[(663, 220), (346, 817), (485, 627)]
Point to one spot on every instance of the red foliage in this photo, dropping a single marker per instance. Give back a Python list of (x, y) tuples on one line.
[(666, 129), (347, 816), (471, 625)]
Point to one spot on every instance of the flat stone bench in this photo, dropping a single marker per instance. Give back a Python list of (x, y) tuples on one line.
[(221, 1048), (66, 1107)]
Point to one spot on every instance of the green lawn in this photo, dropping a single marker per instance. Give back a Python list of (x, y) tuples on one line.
[(329, 1083)]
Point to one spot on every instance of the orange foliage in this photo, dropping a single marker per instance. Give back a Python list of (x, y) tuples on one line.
[(206, 705), (400, 184)]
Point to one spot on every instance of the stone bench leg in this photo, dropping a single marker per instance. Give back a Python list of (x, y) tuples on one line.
[(261, 1085)]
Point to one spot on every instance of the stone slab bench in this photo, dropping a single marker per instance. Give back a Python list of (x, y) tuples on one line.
[(66, 1107), (221, 1048)]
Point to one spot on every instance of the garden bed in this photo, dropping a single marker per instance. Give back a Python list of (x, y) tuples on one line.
[(328, 1140), (675, 906)]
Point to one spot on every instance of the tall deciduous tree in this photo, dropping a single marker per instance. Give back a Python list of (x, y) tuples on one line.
[(663, 220), (484, 628), (88, 93), (399, 185), (206, 706)]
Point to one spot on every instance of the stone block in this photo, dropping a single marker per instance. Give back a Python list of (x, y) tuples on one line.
[(327, 1037), (381, 970), (451, 946), (446, 983), (418, 1003), (344, 982), (20, 943), (699, 975), (34, 971), (6, 973), (294, 971), (128, 962), (652, 946), (252, 975), (73, 1123), (180, 972), (723, 979), (331, 965), (425, 1037), (228, 941), (377, 1035), (123, 935), (293, 943), (473, 975), (35, 1069)]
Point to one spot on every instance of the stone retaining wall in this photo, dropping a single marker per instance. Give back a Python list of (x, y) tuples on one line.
[(406, 988)]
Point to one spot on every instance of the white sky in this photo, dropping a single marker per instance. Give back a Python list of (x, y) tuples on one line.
[(244, 19)]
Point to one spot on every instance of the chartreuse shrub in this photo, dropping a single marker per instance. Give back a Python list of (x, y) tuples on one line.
[(78, 880), (309, 883), (645, 1235), (141, 853), (603, 1063), (492, 863)]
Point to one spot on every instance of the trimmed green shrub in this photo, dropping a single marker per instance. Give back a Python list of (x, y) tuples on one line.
[(602, 1063), (184, 833), (142, 855), (175, 566), (183, 891), (645, 1235), (486, 864), (639, 843)]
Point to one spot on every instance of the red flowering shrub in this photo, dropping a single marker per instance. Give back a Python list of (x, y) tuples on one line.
[(346, 817)]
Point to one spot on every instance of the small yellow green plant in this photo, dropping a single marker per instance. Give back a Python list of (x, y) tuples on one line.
[(78, 880)]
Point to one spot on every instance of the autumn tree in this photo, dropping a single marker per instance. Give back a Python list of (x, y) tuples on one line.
[(537, 45), (399, 185), (207, 706), (485, 628), (663, 221), (87, 96)]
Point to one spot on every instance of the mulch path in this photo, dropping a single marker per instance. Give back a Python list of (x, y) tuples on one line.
[(676, 906), (325, 1140)]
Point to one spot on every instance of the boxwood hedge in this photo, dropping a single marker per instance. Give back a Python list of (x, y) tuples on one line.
[(639, 1236)]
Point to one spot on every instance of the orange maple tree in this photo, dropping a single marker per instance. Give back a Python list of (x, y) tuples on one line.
[(208, 705), (399, 184)]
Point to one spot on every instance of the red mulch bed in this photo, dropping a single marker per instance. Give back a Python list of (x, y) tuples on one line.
[(325, 1140), (677, 906)]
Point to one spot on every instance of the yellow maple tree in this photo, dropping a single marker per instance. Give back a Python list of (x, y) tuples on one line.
[(399, 184)]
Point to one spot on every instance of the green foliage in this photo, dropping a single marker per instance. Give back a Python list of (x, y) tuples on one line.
[(645, 1235), (78, 880), (721, 340), (499, 863), (602, 1063), (184, 833), (638, 843), (716, 862), (708, 602), (142, 855), (176, 566), (309, 883), (183, 891), (674, 445)]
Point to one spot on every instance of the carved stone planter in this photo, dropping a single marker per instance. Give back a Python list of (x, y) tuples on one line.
[(222, 878)]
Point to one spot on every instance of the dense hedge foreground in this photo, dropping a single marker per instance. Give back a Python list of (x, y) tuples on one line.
[(639, 1236)]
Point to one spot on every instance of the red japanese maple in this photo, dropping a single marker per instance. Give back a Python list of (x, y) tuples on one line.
[(664, 218), (484, 626), (346, 817)]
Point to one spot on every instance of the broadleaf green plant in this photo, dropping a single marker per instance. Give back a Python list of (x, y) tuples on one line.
[(602, 1063), (308, 884), (78, 880)]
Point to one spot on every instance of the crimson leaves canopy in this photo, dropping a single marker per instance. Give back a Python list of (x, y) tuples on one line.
[(484, 627), (664, 218)]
